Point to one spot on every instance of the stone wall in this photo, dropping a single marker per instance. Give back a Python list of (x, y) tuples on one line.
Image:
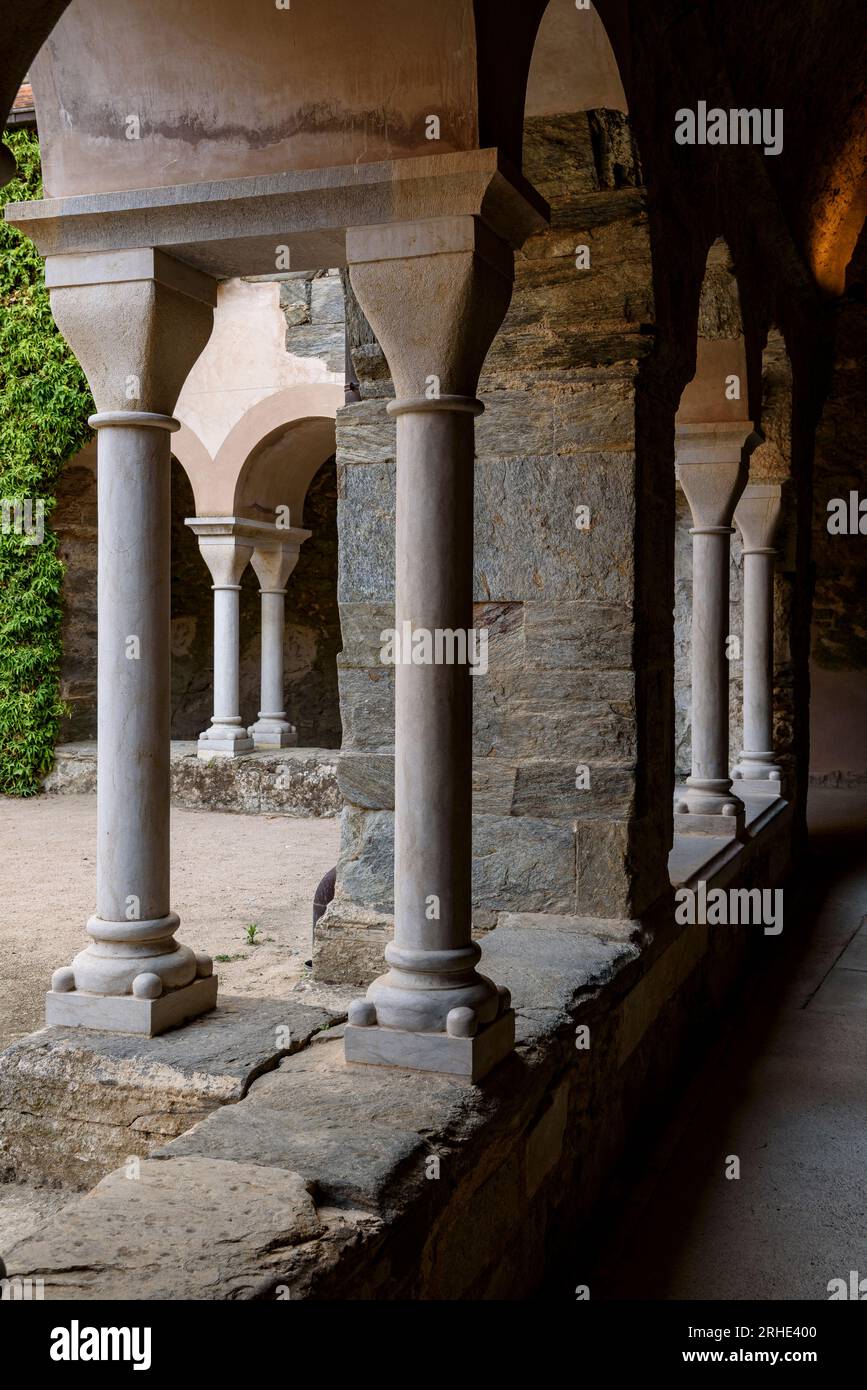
[(580, 644)]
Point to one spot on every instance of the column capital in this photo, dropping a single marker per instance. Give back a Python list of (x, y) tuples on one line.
[(757, 517), (435, 292), (275, 558), (136, 320), (712, 466)]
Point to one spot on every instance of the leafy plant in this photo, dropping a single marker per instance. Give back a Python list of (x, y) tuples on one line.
[(252, 934), (44, 405)]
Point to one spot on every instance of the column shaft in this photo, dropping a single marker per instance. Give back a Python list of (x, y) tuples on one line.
[(758, 654), (710, 675), (134, 584), (273, 622)]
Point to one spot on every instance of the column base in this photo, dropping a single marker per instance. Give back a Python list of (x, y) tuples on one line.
[(759, 779), (224, 741), (272, 733), (698, 815), (471, 1058), (124, 1013)]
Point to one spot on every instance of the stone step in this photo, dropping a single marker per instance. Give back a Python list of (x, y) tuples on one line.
[(286, 781)]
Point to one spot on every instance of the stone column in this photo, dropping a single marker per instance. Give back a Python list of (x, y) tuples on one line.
[(227, 552), (137, 321), (435, 294), (757, 517), (274, 562), (712, 465)]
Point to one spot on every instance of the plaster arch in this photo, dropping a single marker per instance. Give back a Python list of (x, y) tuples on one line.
[(269, 457)]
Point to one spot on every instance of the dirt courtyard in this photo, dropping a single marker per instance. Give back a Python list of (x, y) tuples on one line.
[(228, 872)]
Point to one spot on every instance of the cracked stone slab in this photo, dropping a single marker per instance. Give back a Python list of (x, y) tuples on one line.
[(352, 1131), (236, 1223), (76, 1102)]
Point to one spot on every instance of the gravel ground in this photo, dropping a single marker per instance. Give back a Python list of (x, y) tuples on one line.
[(228, 872)]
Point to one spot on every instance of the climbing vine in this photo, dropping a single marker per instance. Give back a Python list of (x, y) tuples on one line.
[(44, 404)]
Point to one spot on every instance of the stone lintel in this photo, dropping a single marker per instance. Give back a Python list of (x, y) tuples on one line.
[(235, 226)]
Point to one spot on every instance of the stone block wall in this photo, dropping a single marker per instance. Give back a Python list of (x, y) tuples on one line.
[(579, 622)]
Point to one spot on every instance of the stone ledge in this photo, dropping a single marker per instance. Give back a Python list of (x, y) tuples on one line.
[(424, 1186), (287, 782), (75, 1101)]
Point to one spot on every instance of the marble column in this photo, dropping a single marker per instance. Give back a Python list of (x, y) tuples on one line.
[(227, 552), (435, 294), (274, 562), (712, 466), (137, 321), (757, 517)]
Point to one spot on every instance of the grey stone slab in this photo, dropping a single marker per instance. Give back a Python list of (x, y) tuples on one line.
[(842, 991), (326, 300), (582, 717), (229, 1222), (535, 498), (348, 1130), (549, 789), (855, 955), (367, 708), (579, 635), (365, 523), (75, 1101), (547, 968), (523, 864), (367, 780)]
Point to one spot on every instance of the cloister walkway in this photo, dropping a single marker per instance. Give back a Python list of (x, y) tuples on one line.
[(783, 1091)]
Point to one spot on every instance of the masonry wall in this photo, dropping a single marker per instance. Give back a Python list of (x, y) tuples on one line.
[(579, 621)]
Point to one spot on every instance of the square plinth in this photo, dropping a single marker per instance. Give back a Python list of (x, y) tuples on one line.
[(471, 1058), (123, 1013), (697, 823)]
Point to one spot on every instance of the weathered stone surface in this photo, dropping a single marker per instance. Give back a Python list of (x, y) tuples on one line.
[(348, 943), (535, 499), (366, 865), (235, 1221), (519, 862), (367, 702), (548, 789), (367, 780), (291, 782), (365, 520), (584, 717), (350, 1131), (580, 635), (603, 877), (75, 1102)]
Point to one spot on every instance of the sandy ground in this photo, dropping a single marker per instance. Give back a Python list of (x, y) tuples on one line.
[(228, 872)]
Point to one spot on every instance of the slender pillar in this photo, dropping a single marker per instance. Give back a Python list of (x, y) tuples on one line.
[(136, 321), (227, 554), (712, 465), (274, 562), (435, 294), (757, 517)]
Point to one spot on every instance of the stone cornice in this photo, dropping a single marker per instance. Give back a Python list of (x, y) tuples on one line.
[(235, 226)]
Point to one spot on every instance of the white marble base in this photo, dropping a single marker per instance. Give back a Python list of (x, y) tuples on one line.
[(747, 783), (699, 823), (224, 747), (471, 1058), (273, 736), (123, 1013)]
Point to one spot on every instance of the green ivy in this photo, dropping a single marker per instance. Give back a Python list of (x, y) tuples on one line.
[(44, 405)]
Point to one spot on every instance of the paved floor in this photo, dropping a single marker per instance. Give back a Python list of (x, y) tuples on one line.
[(228, 872), (785, 1093)]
